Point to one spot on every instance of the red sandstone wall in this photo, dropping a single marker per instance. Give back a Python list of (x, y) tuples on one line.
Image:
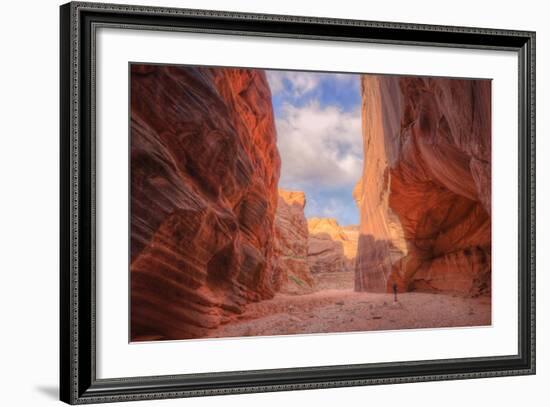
[(424, 196), (204, 173)]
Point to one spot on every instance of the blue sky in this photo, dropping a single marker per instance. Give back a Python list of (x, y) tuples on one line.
[(318, 120)]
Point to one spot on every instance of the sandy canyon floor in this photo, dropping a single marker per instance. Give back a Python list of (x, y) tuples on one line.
[(335, 307)]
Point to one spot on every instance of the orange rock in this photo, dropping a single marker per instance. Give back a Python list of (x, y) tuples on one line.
[(291, 269), (331, 247), (204, 173), (350, 246), (425, 196)]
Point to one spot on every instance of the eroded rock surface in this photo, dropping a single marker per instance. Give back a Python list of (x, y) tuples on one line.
[(204, 173), (331, 247), (350, 246), (424, 196), (291, 269)]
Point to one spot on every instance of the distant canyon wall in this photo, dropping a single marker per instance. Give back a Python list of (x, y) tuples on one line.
[(425, 193), (331, 247), (204, 174), (304, 247), (290, 261)]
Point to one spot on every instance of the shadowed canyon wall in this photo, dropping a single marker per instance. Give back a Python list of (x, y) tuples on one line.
[(332, 248), (424, 196), (290, 261), (204, 173)]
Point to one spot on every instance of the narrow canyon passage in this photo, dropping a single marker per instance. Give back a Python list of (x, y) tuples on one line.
[(336, 307), (257, 213)]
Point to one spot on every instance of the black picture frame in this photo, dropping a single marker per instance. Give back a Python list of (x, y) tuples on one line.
[(78, 382)]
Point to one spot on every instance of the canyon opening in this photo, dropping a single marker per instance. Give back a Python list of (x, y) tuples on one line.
[(269, 202)]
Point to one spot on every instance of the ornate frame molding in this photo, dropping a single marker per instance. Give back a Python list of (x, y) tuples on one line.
[(78, 380)]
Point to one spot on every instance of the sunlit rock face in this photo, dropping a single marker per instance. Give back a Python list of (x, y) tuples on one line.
[(290, 265), (424, 196), (350, 243), (332, 248), (204, 173)]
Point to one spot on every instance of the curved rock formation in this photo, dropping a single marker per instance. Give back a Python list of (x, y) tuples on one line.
[(424, 196), (290, 261), (331, 247), (204, 173)]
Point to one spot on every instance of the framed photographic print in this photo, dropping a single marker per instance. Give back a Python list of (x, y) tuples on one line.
[(256, 203)]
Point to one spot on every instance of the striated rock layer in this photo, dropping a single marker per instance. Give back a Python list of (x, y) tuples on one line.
[(425, 196), (204, 173), (290, 261), (331, 248)]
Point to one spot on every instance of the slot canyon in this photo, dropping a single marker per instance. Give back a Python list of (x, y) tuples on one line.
[(219, 249)]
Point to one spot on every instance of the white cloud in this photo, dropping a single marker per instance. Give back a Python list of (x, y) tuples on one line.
[(300, 83), (332, 208), (319, 146), (276, 81)]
